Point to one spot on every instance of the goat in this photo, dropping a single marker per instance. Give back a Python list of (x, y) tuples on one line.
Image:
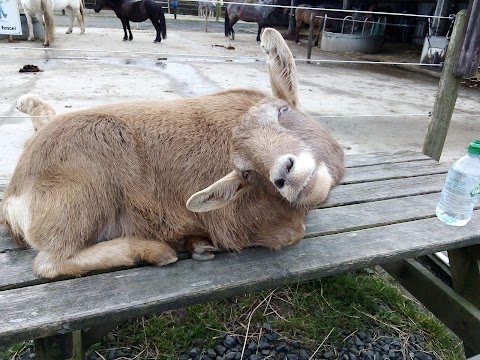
[(121, 183), (40, 110)]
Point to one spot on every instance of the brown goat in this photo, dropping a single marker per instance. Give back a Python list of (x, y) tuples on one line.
[(119, 183)]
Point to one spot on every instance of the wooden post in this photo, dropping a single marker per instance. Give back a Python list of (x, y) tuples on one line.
[(60, 347), (291, 21), (310, 36), (218, 10), (207, 10), (469, 58), (447, 93), (465, 270)]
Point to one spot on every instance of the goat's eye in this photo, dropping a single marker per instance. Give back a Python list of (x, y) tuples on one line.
[(283, 110), (246, 174)]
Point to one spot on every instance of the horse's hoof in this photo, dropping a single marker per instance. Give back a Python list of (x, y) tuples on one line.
[(31, 39), (68, 32), (298, 43)]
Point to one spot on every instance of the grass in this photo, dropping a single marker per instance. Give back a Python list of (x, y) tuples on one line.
[(307, 312), (322, 312)]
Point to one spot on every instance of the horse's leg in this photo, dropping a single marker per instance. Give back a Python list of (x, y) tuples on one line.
[(81, 19), (261, 25), (130, 37), (70, 14), (31, 37), (157, 27), (124, 24), (46, 41), (320, 28), (298, 27), (233, 21)]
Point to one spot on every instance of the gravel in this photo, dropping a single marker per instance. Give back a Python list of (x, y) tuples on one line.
[(361, 345)]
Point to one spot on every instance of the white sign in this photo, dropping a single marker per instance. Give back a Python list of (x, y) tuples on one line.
[(10, 18)]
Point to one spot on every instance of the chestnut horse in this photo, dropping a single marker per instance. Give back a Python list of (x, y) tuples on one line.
[(302, 18)]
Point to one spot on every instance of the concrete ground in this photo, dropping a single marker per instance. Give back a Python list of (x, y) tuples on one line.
[(367, 107)]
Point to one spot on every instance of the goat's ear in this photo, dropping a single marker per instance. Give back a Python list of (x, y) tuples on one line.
[(281, 66), (219, 194)]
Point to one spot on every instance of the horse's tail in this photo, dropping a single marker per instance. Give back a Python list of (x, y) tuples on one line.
[(163, 23), (47, 9), (227, 23)]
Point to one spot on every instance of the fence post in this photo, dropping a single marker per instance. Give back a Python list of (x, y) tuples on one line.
[(469, 58), (310, 36), (447, 93), (291, 20)]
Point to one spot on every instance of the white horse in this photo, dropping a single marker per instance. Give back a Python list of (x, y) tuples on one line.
[(72, 5), (206, 8), (43, 11)]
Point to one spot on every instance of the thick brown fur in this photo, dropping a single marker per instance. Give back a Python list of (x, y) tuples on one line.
[(118, 183)]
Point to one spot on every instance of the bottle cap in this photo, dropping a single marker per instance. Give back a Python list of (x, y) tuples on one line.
[(474, 147)]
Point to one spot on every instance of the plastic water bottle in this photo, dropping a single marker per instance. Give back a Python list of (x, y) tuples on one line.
[(462, 188)]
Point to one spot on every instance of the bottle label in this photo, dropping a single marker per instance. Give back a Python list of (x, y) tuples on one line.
[(476, 191)]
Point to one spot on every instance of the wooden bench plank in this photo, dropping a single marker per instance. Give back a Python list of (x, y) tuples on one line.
[(342, 195), (393, 171), (384, 157), (372, 214), (62, 306), (385, 189), (6, 242), (318, 222)]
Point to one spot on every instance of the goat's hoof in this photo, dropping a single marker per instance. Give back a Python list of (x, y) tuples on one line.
[(205, 256), (167, 258), (68, 32), (31, 38), (201, 251)]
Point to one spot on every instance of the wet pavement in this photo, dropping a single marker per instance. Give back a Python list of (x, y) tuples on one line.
[(367, 107)]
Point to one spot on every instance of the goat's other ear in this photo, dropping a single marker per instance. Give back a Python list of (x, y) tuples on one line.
[(281, 66), (219, 194)]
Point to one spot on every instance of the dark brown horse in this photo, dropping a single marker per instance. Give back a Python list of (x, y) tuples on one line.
[(136, 11), (250, 13)]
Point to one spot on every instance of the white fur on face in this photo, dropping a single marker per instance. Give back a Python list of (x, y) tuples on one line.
[(297, 177)]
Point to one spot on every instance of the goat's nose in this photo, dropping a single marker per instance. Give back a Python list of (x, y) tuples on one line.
[(285, 168)]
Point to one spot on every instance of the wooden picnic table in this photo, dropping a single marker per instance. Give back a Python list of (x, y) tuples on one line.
[(383, 213)]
